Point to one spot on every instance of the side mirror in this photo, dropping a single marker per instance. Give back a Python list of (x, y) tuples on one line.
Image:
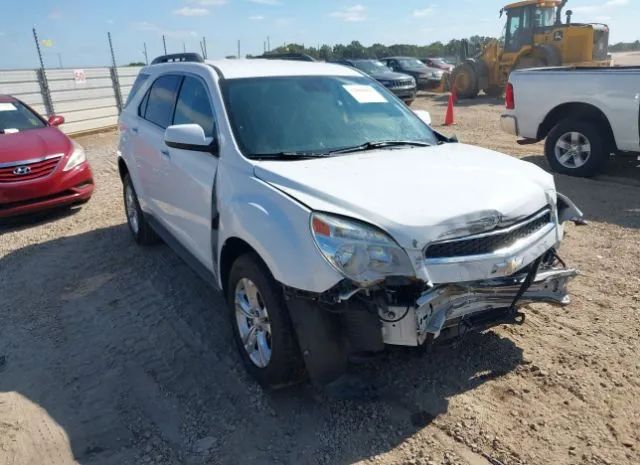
[(424, 116), (189, 137), (55, 120)]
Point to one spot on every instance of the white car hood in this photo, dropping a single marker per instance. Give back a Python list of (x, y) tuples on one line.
[(417, 195)]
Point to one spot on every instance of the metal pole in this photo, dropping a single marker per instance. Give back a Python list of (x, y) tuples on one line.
[(60, 60), (204, 42), (114, 76), (184, 48), (146, 56), (264, 47), (42, 79), (164, 43), (238, 48), (268, 44)]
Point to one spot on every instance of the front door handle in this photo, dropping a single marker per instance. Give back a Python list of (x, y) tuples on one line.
[(165, 153)]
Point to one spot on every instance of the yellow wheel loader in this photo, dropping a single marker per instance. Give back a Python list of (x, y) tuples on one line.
[(534, 36)]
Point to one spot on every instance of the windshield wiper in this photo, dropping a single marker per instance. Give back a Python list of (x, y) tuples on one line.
[(287, 155), (381, 145)]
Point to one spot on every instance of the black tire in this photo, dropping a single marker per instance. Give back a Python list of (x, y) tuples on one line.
[(286, 365), (142, 233), (583, 166), (464, 80)]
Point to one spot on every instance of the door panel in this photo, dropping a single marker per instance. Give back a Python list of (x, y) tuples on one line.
[(190, 176), (155, 114)]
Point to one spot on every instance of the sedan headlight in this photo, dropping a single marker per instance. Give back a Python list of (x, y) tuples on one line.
[(77, 157), (359, 251)]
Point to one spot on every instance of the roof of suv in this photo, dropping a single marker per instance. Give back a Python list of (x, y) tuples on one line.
[(233, 69)]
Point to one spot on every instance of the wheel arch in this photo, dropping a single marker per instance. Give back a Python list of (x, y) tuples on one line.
[(123, 169), (231, 250), (581, 112)]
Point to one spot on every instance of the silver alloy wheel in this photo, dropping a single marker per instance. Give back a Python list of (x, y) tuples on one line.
[(573, 150), (131, 209), (253, 322)]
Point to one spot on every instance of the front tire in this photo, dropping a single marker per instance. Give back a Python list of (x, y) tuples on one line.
[(261, 325), (138, 225), (575, 148), (464, 80)]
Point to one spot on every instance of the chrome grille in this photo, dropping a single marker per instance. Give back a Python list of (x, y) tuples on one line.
[(399, 83), (488, 243), (27, 170)]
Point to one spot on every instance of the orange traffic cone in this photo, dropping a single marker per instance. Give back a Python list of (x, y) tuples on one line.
[(449, 118)]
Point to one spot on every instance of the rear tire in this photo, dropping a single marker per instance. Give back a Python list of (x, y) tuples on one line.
[(261, 325), (575, 148), (138, 224), (464, 80)]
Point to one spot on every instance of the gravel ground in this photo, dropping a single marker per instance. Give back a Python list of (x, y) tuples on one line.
[(115, 354)]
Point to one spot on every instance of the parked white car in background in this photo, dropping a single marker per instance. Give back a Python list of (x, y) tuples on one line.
[(332, 217), (586, 114)]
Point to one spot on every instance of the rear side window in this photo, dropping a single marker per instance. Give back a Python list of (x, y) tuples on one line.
[(161, 100), (141, 79), (194, 106)]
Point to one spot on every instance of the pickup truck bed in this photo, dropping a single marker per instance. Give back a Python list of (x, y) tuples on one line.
[(584, 113)]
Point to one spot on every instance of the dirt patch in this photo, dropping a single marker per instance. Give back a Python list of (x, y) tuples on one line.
[(115, 354)]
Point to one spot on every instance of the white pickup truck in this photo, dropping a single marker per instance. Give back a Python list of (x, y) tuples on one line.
[(334, 219), (585, 114)]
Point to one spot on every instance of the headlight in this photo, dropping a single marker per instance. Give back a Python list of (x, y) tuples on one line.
[(77, 157), (359, 251)]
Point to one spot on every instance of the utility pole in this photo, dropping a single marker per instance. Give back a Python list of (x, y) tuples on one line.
[(42, 78), (268, 44), (146, 55), (204, 43), (184, 48), (238, 48), (264, 47), (60, 60), (164, 43), (114, 76)]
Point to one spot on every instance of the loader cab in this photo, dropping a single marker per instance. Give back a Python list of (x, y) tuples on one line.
[(525, 19)]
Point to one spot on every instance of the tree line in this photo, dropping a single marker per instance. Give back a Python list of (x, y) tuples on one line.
[(355, 49), (625, 47)]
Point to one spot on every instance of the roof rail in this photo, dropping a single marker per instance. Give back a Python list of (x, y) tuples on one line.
[(179, 57)]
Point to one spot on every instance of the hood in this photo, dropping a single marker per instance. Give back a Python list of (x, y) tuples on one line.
[(34, 143), (390, 76), (417, 195)]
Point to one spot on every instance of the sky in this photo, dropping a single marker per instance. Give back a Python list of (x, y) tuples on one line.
[(78, 28)]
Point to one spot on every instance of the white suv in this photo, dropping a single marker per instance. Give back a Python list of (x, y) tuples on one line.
[(333, 218)]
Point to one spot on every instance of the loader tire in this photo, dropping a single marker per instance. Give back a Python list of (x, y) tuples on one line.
[(464, 80)]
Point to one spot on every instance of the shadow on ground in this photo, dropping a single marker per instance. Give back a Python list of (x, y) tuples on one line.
[(595, 196), (132, 356), (443, 100)]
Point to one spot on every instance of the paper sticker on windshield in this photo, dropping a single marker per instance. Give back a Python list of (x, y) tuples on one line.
[(7, 107), (11, 131), (365, 94)]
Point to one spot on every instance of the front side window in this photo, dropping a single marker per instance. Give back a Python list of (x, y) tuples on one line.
[(161, 99), (371, 67), (544, 17), (15, 117), (317, 115), (411, 63), (194, 107)]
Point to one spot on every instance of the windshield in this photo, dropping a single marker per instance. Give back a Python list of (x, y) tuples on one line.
[(15, 117), (371, 67), (411, 63), (317, 115), (544, 17)]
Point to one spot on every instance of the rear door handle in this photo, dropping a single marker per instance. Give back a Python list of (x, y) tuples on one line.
[(165, 153)]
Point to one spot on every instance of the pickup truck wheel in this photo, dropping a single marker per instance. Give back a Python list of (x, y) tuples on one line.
[(261, 325), (575, 148), (138, 225)]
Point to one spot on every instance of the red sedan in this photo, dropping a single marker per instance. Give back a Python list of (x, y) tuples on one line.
[(40, 167)]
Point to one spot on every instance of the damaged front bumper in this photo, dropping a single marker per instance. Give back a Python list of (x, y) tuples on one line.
[(453, 305)]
